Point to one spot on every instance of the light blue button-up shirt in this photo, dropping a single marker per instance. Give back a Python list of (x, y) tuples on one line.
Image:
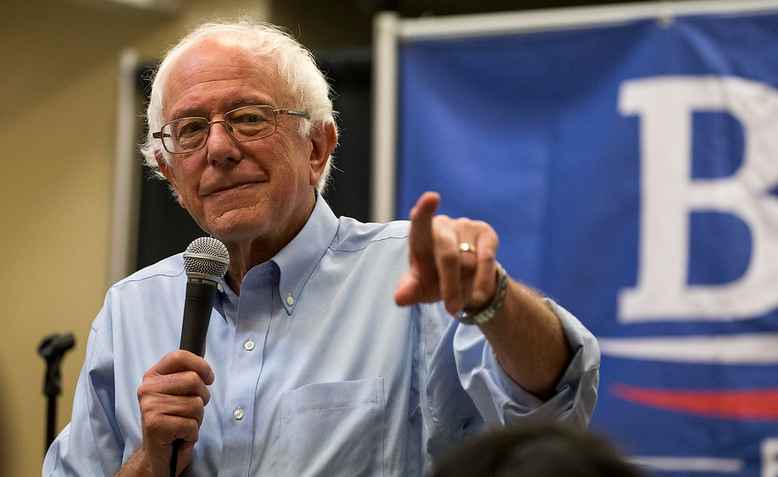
[(318, 371)]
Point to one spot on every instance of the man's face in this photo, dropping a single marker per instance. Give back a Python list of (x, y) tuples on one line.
[(261, 189)]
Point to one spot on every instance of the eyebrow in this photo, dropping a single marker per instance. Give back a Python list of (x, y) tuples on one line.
[(200, 112)]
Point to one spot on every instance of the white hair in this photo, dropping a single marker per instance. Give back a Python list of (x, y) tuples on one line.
[(305, 83)]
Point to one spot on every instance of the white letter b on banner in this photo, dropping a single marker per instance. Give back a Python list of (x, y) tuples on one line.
[(668, 196)]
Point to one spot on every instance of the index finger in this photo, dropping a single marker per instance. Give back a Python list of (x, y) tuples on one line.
[(421, 221), (178, 361)]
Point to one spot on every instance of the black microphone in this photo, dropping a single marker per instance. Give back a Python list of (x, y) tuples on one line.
[(206, 260)]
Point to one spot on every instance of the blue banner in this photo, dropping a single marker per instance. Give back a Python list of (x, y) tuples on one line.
[(631, 172)]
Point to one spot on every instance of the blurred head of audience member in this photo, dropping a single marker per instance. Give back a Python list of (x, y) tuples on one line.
[(542, 450)]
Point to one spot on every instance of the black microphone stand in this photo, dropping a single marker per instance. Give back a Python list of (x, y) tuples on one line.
[(52, 349)]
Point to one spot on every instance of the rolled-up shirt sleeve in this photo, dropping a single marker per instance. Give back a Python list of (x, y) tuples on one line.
[(91, 443), (463, 389), (502, 401)]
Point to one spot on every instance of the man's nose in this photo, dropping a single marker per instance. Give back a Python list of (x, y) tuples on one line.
[(221, 146)]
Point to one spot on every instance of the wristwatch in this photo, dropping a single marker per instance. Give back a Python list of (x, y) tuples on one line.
[(483, 315)]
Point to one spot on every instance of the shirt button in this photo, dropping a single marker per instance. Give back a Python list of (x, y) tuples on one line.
[(238, 413), (289, 299), (249, 345)]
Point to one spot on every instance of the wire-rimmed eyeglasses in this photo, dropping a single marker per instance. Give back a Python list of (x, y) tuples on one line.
[(244, 124)]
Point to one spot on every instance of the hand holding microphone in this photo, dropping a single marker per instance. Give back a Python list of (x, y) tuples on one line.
[(174, 391), (172, 398)]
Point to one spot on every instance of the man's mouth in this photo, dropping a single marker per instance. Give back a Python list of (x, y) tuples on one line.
[(228, 187)]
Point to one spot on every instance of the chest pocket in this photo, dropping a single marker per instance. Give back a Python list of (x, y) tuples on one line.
[(332, 429)]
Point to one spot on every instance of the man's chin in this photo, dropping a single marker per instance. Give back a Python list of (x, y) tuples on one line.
[(234, 226)]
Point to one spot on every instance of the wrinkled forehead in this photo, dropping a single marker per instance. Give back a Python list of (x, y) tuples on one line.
[(211, 63)]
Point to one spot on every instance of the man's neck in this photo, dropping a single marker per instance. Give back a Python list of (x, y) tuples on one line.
[(246, 254)]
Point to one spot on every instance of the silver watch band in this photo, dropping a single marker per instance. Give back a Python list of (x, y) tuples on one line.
[(482, 316)]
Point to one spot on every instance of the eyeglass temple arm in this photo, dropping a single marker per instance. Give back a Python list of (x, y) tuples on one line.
[(291, 112)]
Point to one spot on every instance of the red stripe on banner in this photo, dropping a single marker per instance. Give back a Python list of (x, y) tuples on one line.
[(755, 404)]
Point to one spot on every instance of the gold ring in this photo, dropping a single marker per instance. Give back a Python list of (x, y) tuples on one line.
[(466, 247)]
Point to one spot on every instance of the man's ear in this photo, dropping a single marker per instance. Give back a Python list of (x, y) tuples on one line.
[(324, 138), (164, 167), (167, 171)]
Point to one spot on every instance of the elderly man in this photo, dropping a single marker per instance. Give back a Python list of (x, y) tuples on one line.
[(335, 347)]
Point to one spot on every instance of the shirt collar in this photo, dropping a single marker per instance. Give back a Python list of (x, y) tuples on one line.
[(297, 261)]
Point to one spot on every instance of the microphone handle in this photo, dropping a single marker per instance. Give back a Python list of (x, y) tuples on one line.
[(200, 295), (197, 314)]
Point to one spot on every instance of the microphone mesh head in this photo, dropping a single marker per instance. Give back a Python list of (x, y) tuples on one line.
[(206, 258)]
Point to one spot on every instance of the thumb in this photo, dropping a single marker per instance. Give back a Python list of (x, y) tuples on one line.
[(408, 291)]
